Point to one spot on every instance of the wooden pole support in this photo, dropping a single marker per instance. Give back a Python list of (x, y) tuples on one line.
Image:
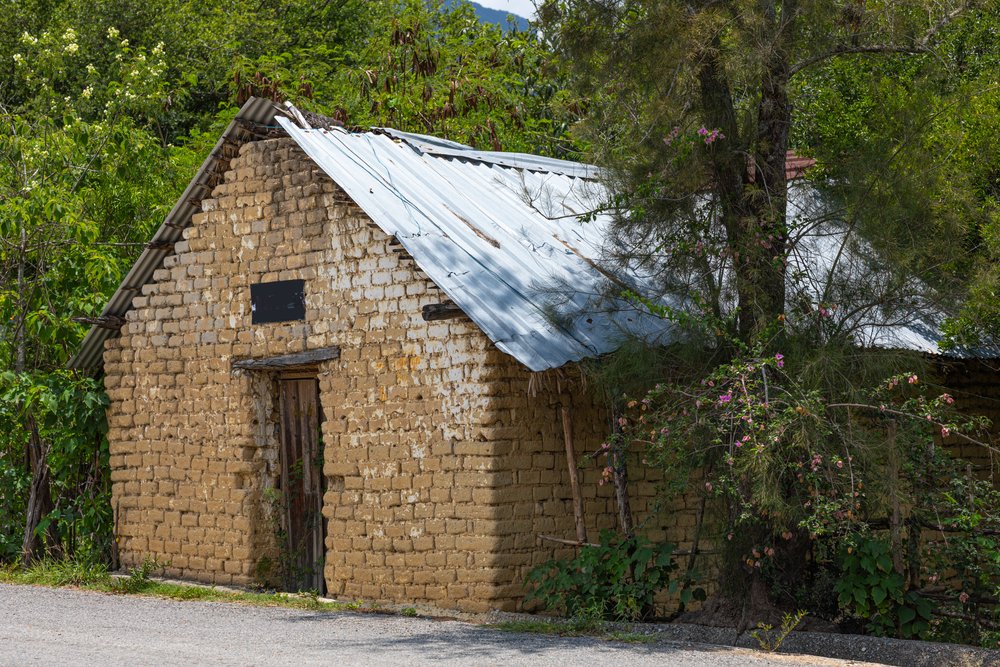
[(574, 482)]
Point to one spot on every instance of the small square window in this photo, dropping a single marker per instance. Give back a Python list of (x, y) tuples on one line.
[(281, 301)]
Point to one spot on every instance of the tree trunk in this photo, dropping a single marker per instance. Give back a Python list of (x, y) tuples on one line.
[(752, 197), (39, 499), (619, 468)]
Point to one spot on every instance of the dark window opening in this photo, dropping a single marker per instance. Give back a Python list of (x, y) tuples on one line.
[(281, 301)]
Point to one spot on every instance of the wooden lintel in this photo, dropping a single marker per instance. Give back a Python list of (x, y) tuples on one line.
[(441, 311), (289, 360)]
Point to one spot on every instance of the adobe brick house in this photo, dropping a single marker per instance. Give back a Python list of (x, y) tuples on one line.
[(338, 358), (270, 312)]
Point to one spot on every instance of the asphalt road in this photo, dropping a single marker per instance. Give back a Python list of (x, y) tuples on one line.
[(43, 626)]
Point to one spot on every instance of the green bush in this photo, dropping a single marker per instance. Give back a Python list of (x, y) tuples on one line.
[(870, 589), (615, 580)]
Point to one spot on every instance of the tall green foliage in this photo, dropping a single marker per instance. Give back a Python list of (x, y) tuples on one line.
[(693, 108), (81, 180), (433, 69)]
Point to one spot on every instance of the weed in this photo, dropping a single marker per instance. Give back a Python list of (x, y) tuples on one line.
[(59, 573), (538, 627), (770, 639), (409, 611), (138, 580), (614, 580)]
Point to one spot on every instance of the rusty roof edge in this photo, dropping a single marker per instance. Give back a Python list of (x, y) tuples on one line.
[(90, 354)]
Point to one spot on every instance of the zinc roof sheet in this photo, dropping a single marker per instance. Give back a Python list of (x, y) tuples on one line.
[(498, 233)]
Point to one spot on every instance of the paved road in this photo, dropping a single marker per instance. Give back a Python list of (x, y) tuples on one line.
[(42, 626)]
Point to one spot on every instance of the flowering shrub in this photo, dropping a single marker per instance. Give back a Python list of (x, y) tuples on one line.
[(799, 466)]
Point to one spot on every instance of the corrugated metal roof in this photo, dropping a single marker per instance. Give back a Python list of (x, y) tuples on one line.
[(500, 233)]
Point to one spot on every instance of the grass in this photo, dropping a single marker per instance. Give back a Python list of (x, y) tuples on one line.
[(96, 578), (575, 628), (59, 574)]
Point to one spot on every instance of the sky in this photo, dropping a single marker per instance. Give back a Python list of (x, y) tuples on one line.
[(523, 8)]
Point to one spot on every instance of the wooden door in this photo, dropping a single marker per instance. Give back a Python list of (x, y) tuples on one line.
[(302, 483)]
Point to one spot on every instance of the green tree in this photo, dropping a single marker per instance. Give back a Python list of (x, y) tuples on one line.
[(81, 179), (434, 69), (692, 110), (692, 107)]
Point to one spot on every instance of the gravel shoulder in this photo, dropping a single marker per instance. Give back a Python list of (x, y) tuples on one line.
[(45, 626)]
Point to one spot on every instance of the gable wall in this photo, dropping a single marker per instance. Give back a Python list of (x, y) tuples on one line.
[(442, 468)]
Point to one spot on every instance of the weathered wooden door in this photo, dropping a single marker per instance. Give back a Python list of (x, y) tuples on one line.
[(302, 483)]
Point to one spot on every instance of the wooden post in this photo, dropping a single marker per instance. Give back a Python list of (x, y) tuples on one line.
[(574, 482), (895, 522)]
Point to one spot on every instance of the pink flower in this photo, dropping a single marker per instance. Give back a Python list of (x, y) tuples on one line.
[(840, 464), (780, 358), (945, 431), (725, 398), (964, 597), (708, 486), (913, 379), (947, 398)]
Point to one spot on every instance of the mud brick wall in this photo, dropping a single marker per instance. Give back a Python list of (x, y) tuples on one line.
[(975, 385), (443, 461)]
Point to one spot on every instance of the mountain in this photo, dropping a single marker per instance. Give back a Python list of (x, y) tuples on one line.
[(497, 16)]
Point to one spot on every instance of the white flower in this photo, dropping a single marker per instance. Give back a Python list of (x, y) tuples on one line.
[(91, 70), (87, 92), (69, 35), (113, 32), (27, 38), (124, 42), (158, 49), (72, 48), (18, 58)]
